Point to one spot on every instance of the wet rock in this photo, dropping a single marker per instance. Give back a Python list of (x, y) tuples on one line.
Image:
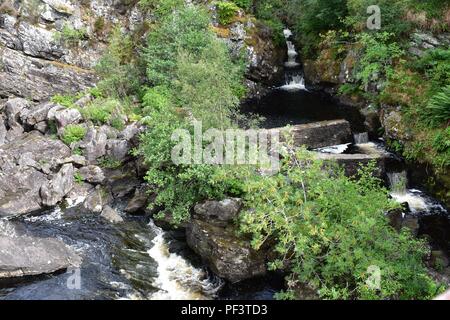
[(393, 126), (352, 162), (123, 181), (27, 256), (318, 134), (92, 174), (139, 201), (111, 215), (228, 256), (58, 187), (219, 212)]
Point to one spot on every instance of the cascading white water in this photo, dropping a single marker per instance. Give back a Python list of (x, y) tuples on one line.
[(294, 79), (178, 279), (361, 138), (398, 183)]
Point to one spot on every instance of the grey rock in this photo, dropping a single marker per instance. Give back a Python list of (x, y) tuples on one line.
[(74, 159), (318, 134), (79, 193), (58, 187), (42, 127), (139, 200), (111, 215), (118, 149), (123, 181), (37, 115), (67, 116), (218, 212), (94, 144), (95, 201), (92, 174), (227, 255), (39, 79), (27, 256), (38, 42), (24, 165), (13, 109), (2, 131)]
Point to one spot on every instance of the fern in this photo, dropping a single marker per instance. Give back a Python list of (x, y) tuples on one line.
[(437, 111)]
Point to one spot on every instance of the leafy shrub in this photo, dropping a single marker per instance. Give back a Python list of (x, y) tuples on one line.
[(73, 133), (109, 163), (244, 4), (378, 55), (226, 11), (66, 100), (78, 177), (330, 229)]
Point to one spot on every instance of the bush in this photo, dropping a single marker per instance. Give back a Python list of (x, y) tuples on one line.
[(73, 133), (330, 229), (226, 11)]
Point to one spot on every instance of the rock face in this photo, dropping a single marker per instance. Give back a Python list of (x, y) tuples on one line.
[(27, 256), (213, 236), (319, 134), (58, 187), (24, 165)]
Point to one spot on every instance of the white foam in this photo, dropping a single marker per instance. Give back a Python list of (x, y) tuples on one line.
[(287, 33), (177, 278), (337, 149), (297, 83)]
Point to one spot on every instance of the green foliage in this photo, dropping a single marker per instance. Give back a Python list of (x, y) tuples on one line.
[(378, 54), (226, 11), (330, 229), (437, 111), (109, 163), (118, 69), (187, 29), (70, 35), (244, 4), (65, 100), (78, 178), (73, 133), (100, 111), (160, 8), (435, 65)]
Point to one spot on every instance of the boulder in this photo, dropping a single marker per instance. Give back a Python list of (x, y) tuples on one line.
[(212, 234), (65, 117), (111, 215), (29, 256), (219, 212), (138, 201), (92, 174), (95, 200), (318, 134), (24, 165), (37, 115), (58, 187), (118, 149), (228, 256), (94, 144)]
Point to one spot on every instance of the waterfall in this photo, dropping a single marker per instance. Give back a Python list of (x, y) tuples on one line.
[(294, 78), (361, 138), (398, 183), (177, 278)]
